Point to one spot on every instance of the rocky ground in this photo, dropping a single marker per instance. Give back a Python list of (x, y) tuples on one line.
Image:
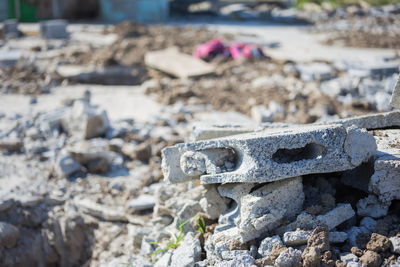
[(81, 177)]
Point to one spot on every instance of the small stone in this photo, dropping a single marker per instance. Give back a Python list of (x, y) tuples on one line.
[(237, 245), (348, 257), (267, 244), (319, 239), (188, 252), (371, 259), (143, 202), (378, 243), (395, 241), (230, 255), (296, 238), (311, 257), (9, 235), (289, 258), (370, 206)]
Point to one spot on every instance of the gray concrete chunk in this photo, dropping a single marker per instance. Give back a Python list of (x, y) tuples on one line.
[(341, 213), (395, 101), (269, 155), (54, 29)]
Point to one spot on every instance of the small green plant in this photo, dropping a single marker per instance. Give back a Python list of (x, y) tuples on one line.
[(173, 243), (201, 224)]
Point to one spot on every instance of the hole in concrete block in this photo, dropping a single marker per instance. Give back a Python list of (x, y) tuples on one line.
[(209, 161), (310, 151)]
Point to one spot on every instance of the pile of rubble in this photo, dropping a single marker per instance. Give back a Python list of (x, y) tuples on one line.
[(310, 195)]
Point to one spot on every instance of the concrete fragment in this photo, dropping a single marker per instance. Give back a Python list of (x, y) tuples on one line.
[(395, 101), (296, 238), (85, 121), (319, 239), (262, 114), (9, 235), (337, 237), (180, 65), (113, 214), (370, 206), (231, 217), (273, 155), (188, 252), (348, 257), (371, 122), (66, 166), (188, 211), (267, 244), (338, 215), (263, 209), (54, 29), (10, 58), (289, 258), (395, 241), (165, 260), (143, 202), (10, 28), (314, 71), (212, 203), (230, 255), (11, 144), (241, 260)]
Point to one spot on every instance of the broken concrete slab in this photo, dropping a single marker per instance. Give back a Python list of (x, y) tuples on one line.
[(177, 64), (269, 155), (371, 122), (264, 209), (395, 101), (54, 29)]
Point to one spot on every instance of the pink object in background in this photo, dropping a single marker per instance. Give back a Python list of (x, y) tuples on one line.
[(210, 49)]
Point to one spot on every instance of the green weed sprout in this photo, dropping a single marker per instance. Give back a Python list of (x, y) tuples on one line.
[(174, 241)]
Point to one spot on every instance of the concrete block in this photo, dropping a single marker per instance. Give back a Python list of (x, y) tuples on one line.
[(10, 28), (269, 155), (338, 215), (264, 209), (267, 244), (371, 206), (54, 29)]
